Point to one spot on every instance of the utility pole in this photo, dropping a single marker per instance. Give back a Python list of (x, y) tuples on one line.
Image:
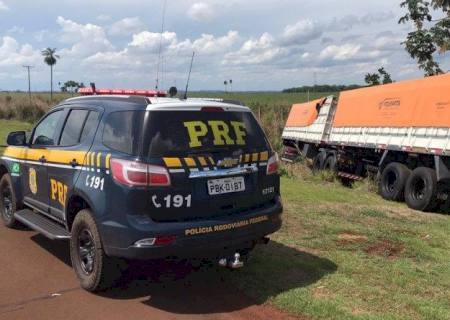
[(29, 80)]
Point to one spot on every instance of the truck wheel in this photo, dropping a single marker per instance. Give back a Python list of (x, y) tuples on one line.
[(393, 180), (330, 163), (421, 189), (317, 164), (8, 204), (93, 268)]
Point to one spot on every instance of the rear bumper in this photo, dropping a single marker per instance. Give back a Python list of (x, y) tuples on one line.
[(204, 239)]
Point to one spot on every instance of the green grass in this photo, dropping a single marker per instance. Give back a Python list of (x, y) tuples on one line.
[(348, 254), (271, 108)]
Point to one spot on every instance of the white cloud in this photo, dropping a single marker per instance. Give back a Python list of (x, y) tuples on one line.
[(347, 22), (150, 41), (340, 53), (256, 51), (3, 6), (208, 44), (12, 54), (85, 39), (126, 27), (302, 32), (201, 12)]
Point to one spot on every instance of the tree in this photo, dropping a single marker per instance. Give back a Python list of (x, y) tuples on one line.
[(71, 86), (225, 83), (372, 79), (375, 79), (427, 39), (231, 85), (386, 76), (50, 58)]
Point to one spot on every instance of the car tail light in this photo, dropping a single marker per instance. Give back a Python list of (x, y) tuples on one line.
[(273, 164), (136, 174), (158, 176)]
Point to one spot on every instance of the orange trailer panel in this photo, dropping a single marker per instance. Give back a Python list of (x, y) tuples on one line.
[(303, 114), (418, 103)]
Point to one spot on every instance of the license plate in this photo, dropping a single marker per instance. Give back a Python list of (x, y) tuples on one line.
[(227, 185)]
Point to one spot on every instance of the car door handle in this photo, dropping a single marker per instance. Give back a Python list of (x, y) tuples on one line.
[(74, 163), (42, 159)]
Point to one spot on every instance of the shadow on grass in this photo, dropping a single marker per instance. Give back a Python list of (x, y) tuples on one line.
[(194, 287)]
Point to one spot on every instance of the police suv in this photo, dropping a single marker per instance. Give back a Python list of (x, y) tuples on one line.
[(142, 176)]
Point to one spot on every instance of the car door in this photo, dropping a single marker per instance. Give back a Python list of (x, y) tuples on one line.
[(69, 155), (44, 137)]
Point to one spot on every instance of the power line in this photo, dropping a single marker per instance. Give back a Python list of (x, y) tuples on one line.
[(29, 80)]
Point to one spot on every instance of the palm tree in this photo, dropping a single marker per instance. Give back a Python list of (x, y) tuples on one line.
[(50, 58), (231, 85), (225, 83)]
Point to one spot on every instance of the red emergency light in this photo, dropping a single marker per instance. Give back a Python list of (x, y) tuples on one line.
[(126, 92)]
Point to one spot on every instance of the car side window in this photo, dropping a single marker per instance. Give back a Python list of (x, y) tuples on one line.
[(72, 129), (45, 132), (90, 125)]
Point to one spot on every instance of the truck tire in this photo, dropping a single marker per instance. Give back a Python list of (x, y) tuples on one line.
[(330, 163), (94, 269), (317, 163), (393, 180), (421, 189), (8, 203)]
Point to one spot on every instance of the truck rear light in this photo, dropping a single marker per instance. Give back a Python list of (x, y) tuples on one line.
[(138, 174), (273, 164)]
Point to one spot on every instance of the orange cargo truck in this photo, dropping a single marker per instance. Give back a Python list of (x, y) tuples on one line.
[(398, 132)]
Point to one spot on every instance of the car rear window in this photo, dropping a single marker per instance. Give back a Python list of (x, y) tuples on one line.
[(180, 133), (123, 130)]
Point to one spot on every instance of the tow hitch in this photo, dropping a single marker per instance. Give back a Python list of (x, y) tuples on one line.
[(235, 261), (232, 263)]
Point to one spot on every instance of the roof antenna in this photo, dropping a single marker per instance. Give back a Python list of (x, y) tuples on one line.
[(160, 44), (189, 76)]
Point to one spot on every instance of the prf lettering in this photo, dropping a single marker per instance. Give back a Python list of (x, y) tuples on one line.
[(58, 191), (220, 130)]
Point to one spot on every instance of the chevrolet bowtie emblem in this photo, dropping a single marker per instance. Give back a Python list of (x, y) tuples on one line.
[(227, 163)]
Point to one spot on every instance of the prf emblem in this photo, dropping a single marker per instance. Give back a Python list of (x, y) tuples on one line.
[(32, 179)]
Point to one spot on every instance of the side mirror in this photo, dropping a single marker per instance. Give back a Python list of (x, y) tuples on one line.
[(18, 138)]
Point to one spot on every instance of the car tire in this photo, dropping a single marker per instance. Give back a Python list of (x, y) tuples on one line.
[(95, 270), (393, 180), (8, 202), (421, 189), (330, 163)]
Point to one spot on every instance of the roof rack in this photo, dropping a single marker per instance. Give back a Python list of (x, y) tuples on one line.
[(91, 91)]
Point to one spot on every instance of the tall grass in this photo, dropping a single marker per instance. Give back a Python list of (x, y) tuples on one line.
[(270, 108)]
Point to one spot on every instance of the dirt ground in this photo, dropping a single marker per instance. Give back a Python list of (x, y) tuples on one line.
[(37, 282)]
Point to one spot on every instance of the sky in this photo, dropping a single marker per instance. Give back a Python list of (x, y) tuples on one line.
[(259, 44)]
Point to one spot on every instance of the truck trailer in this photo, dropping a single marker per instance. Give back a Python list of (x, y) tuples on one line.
[(398, 133)]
